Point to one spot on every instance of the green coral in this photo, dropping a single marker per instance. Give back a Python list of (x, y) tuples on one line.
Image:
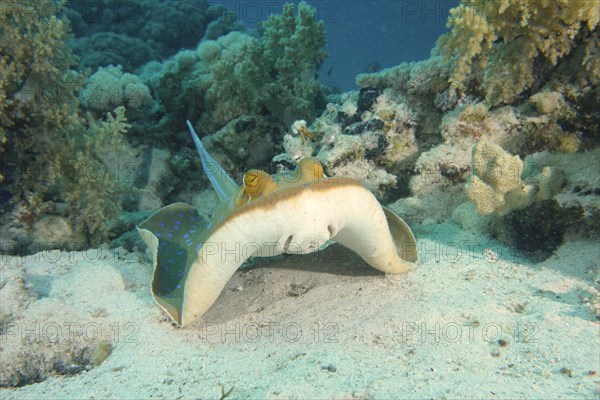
[(273, 74), (109, 88), (498, 42), (276, 72), (51, 146)]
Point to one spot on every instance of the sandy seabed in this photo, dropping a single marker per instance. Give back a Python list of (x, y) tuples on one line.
[(473, 320)]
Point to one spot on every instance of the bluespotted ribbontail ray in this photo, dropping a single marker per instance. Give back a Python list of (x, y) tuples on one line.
[(294, 213)]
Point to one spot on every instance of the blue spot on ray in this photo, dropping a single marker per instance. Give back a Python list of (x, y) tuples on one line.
[(179, 230)]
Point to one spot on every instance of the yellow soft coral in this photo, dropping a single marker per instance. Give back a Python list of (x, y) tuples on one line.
[(497, 41), (50, 146)]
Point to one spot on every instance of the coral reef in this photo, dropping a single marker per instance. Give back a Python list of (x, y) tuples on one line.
[(370, 137), (109, 88), (498, 46), (134, 32), (490, 131), (237, 74), (54, 154), (238, 84), (519, 78)]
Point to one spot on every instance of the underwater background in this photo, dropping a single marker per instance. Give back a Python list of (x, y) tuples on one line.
[(475, 121)]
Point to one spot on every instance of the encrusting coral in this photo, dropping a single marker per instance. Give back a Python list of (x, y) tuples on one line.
[(55, 153), (497, 43)]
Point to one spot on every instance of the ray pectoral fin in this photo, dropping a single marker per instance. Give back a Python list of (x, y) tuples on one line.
[(364, 228), (173, 236), (405, 241), (217, 261)]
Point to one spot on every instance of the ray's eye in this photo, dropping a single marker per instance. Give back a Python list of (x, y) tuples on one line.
[(255, 181), (251, 179)]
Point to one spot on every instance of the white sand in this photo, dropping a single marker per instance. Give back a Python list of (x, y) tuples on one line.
[(466, 323)]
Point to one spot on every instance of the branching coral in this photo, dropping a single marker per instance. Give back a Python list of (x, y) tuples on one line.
[(272, 74), (497, 42), (277, 72), (52, 148)]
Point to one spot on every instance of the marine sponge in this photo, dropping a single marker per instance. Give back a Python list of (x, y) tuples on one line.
[(497, 42)]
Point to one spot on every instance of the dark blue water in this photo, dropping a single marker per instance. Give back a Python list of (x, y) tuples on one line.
[(365, 35)]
